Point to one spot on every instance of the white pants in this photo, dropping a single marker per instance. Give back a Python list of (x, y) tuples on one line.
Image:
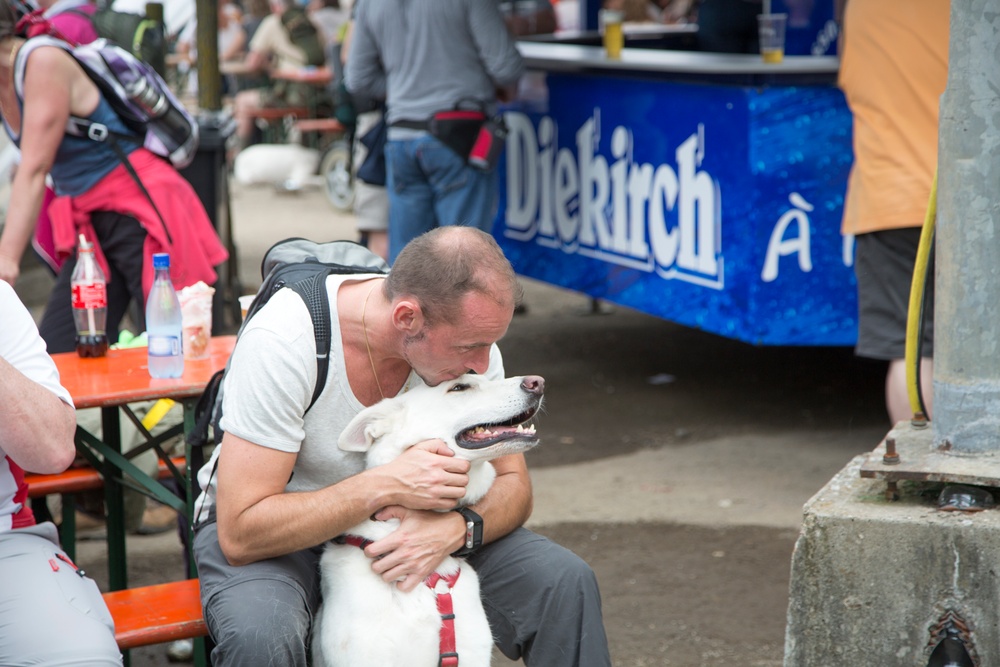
[(49, 613)]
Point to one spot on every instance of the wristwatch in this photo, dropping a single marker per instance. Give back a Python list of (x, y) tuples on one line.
[(473, 532)]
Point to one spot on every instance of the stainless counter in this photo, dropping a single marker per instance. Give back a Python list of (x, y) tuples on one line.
[(575, 58)]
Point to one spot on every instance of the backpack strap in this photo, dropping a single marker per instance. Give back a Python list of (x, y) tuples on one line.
[(313, 292)]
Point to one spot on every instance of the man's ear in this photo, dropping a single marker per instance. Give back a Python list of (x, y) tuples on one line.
[(365, 429), (407, 316)]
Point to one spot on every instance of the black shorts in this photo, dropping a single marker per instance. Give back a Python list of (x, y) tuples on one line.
[(122, 240), (883, 264)]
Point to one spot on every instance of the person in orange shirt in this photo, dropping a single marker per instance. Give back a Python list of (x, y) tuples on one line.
[(894, 64)]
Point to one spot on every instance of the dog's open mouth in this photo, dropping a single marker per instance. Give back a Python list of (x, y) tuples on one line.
[(485, 435)]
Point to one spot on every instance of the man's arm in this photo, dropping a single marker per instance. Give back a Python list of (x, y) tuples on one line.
[(36, 428), (499, 55), (257, 519), (37, 421), (363, 74)]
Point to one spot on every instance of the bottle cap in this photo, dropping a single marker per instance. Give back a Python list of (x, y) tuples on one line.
[(85, 245), (161, 260)]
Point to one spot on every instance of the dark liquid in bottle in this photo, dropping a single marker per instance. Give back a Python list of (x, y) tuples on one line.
[(92, 346)]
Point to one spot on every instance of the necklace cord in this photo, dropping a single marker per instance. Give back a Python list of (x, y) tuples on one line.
[(364, 327)]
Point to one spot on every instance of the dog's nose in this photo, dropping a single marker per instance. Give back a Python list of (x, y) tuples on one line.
[(533, 384)]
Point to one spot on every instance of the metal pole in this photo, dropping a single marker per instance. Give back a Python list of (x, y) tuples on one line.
[(209, 80), (966, 409)]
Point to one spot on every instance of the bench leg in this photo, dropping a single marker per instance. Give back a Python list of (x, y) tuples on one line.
[(201, 652), (67, 529)]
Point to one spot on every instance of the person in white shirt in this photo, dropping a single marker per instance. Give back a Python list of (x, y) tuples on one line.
[(52, 613)]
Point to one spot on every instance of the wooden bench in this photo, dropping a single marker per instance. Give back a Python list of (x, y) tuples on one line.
[(271, 121), (321, 125), (84, 478), (157, 614), (76, 480)]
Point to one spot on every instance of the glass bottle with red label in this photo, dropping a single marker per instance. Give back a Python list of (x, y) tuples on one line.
[(90, 303)]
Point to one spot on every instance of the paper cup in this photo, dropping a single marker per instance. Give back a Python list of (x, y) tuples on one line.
[(245, 302)]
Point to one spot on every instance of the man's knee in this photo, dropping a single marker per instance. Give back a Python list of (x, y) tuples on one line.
[(258, 621), (569, 576)]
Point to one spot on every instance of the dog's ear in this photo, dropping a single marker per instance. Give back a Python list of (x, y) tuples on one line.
[(365, 429)]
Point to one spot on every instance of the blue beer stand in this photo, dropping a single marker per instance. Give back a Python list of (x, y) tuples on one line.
[(706, 189)]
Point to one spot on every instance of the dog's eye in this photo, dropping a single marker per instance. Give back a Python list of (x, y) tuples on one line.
[(459, 387)]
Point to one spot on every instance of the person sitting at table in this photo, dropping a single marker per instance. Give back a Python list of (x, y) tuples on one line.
[(97, 196), (272, 48), (51, 612), (528, 17)]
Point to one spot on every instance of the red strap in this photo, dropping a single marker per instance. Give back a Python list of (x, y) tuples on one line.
[(448, 649), (353, 540), (24, 517), (459, 114)]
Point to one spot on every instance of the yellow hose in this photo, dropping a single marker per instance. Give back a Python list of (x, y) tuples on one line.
[(913, 320), (157, 412)]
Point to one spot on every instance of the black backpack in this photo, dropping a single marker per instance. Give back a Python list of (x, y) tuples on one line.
[(304, 35), (301, 266), (141, 36)]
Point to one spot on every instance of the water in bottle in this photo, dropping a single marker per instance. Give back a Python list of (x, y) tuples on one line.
[(163, 323), (90, 303)]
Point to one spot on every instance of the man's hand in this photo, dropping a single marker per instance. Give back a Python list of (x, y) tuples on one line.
[(428, 477), (415, 549)]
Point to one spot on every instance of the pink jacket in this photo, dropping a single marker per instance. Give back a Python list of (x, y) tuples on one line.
[(195, 248)]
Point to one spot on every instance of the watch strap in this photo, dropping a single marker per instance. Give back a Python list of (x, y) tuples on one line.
[(473, 532)]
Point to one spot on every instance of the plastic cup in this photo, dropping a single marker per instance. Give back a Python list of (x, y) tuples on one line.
[(196, 320), (772, 36), (610, 21), (245, 302)]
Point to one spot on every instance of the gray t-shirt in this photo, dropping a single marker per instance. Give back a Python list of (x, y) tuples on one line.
[(270, 383), (424, 56)]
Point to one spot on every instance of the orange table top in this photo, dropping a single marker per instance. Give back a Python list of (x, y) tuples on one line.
[(123, 376)]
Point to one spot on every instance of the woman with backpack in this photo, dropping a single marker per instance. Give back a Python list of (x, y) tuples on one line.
[(128, 216)]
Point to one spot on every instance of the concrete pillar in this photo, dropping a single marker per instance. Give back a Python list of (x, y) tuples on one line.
[(878, 582), (967, 280), (872, 579)]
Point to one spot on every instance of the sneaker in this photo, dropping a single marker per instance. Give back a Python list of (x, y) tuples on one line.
[(181, 650), (157, 519)]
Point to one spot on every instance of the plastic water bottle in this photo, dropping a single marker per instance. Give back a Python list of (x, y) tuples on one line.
[(163, 323), (90, 303)]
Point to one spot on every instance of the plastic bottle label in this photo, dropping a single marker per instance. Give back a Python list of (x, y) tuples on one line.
[(164, 346), (94, 295)]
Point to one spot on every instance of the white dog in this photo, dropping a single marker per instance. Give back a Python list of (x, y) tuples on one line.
[(364, 620), (289, 166)]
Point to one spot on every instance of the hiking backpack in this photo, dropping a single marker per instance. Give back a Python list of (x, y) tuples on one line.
[(303, 267), (304, 35), (138, 95)]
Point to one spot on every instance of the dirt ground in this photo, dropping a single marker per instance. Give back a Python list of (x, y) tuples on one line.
[(675, 462)]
